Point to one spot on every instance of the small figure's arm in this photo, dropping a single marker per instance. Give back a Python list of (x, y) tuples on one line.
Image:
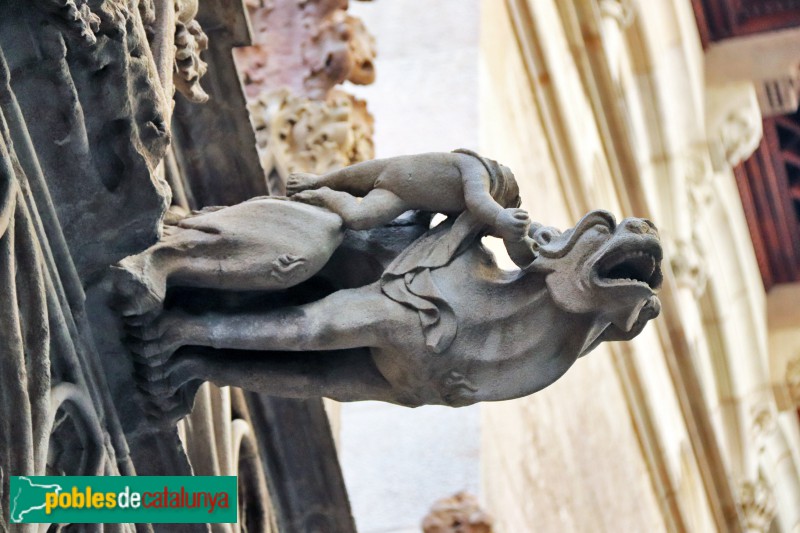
[(521, 252)]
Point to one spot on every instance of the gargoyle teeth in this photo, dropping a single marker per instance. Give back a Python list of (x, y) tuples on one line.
[(638, 266)]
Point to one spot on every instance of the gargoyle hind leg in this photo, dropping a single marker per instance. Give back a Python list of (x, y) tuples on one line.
[(345, 319), (140, 281), (344, 376)]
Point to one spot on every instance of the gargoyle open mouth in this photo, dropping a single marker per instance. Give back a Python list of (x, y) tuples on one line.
[(624, 267)]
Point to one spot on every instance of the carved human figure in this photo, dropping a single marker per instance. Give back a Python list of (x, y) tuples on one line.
[(449, 183), (442, 325)]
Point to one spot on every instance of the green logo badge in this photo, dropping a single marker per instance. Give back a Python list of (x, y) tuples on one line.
[(123, 499)]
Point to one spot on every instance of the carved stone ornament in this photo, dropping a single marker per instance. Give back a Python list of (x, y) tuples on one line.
[(77, 16), (621, 11), (764, 421), (793, 380), (323, 294), (700, 181), (734, 124), (740, 135), (757, 503), (341, 49), (457, 514), (689, 265), (190, 41), (333, 47), (298, 134)]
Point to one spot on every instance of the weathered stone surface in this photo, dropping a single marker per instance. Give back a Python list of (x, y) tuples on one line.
[(300, 134), (213, 143), (85, 111), (190, 41), (103, 122), (333, 45), (82, 130)]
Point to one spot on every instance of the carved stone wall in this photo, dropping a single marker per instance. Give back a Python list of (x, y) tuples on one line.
[(86, 122), (83, 120)]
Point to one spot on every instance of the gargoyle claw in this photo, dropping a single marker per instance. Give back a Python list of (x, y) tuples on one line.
[(134, 296), (140, 320)]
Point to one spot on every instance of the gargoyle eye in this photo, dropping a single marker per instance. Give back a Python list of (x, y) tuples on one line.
[(602, 228)]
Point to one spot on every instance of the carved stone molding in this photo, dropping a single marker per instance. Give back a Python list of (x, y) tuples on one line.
[(699, 180), (757, 504), (739, 135), (764, 421), (77, 16), (298, 134), (333, 47), (77, 441), (689, 264), (620, 11), (617, 16), (793, 380), (768, 61), (779, 96), (457, 514), (82, 130), (190, 41), (733, 123)]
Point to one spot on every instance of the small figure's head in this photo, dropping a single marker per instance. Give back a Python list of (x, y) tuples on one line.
[(600, 267)]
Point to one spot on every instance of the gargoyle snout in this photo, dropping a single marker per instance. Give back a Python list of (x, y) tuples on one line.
[(640, 226)]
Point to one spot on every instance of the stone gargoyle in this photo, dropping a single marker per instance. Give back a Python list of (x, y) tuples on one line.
[(321, 294)]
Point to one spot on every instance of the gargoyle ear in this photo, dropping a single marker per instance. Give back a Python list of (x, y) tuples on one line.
[(544, 235)]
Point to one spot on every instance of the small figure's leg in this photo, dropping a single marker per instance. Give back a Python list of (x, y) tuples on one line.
[(356, 179), (301, 181), (378, 207)]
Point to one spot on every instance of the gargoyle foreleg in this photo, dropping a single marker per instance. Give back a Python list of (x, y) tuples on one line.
[(345, 376), (345, 319)]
